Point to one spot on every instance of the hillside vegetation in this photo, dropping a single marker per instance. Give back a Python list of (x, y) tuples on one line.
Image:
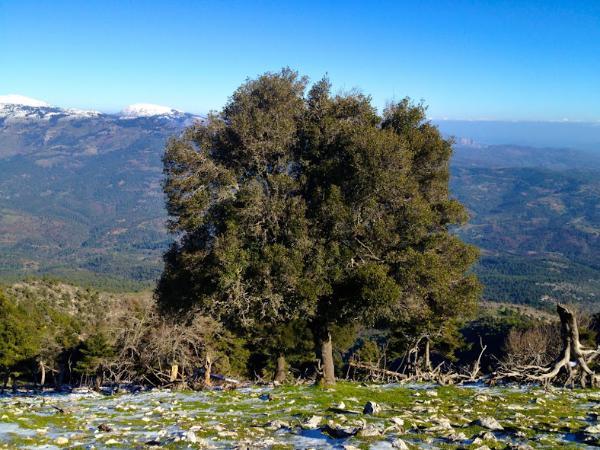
[(80, 199), (535, 214)]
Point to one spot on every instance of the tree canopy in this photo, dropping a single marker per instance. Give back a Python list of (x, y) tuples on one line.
[(290, 205)]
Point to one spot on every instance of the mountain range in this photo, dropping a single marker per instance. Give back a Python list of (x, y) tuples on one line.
[(80, 193), (81, 199)]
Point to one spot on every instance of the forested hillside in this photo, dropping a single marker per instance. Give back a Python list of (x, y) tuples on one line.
[(535, 214), (80, 195), (80, 198)]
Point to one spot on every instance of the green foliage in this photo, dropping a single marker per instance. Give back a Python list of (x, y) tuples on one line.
[(18, 337), (293, 339), (232, 195), (290, 205), (95, 354)]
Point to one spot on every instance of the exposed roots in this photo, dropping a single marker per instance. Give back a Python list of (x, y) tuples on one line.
[(571, 367)]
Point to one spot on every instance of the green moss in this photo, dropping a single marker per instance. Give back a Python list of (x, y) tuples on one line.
[(541, 418)]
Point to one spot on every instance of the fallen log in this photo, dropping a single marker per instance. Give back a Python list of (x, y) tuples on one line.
[(377, 370)]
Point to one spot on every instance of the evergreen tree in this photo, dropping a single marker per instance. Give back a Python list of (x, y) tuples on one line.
[(232, 189), (18, 337), (95, 354), (380, 212), (289, 206)]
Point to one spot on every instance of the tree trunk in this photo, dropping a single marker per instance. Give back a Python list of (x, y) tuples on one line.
[(174, 373), (5, 383), (281, 370), (207, 371), (328, 377), (99, 379), (428, 355), (59, 378), (42, 374)]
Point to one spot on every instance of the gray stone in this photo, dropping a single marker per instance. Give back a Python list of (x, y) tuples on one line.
[(312, 423), (592, 429), (371, 408), (400, 444), (340, 432), (490, 423)]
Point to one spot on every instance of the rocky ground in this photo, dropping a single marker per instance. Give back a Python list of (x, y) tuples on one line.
[(347, 416)]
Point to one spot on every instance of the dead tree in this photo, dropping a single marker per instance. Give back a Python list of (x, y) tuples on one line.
[(572, 365)]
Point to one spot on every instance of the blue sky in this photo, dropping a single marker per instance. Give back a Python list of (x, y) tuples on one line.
[(507, 60)]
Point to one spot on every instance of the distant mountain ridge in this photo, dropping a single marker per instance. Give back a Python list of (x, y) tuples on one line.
[(80, 192), (535, 213), (539, 134), (500, 156), (15, 107)]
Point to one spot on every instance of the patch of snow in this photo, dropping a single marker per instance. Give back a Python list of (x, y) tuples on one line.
[(83, 112), (15, 99), (147, 110)]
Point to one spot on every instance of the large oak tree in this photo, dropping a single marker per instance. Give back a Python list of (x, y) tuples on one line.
[(291, 205)]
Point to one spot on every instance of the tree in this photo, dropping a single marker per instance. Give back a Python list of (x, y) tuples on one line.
[(380, 213), (290, 206), (96, 354), (18, 337), (232, 190)]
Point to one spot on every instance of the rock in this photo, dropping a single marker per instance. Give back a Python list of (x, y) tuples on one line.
[(400, 444), (278, 424), (112, 442), (431, 393), (106, 428), (312, 423), (227, 434), (592, 429), (490, 423), (516, 407), (371, 408), (457, 437), (442, 424), (369, 430), (487, 436), (339, 432), (61, 440), (398, 421), (190, 436)]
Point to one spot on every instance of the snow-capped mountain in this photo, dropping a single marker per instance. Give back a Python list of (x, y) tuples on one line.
[(15, 99), (14, 107), (18, 107), (148, 110), (63, 136), (78, 187)]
